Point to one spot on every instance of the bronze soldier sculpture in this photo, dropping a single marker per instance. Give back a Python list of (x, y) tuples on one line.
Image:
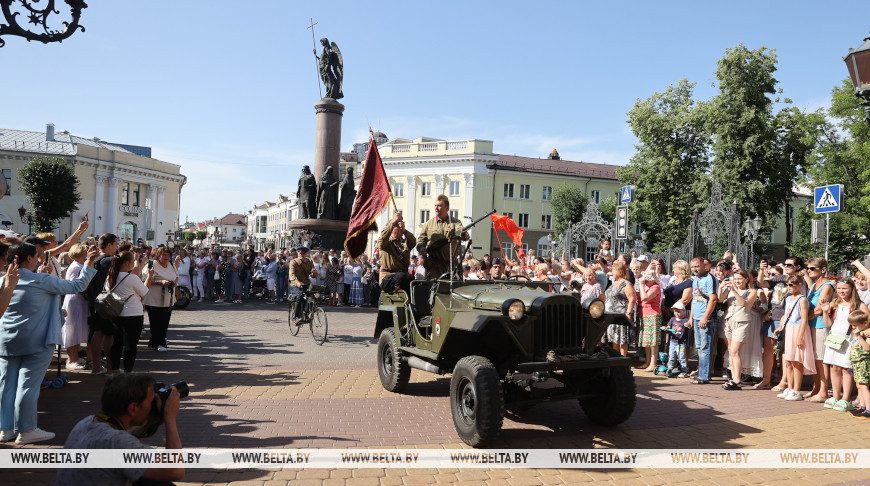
[(348, 194), (326, 195), (306, 193)]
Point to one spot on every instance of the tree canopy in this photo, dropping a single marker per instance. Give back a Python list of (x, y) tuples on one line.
[(569, 204), (51, 186)]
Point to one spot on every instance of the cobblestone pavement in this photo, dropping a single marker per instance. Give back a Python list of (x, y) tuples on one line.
[(254, 385)]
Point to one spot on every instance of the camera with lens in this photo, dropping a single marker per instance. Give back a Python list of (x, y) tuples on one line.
[(162, 392), (170, 287)]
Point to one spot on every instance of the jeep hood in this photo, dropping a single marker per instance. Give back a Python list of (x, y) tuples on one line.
[(491, 297)]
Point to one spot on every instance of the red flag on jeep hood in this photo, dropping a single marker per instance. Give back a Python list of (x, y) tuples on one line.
[(371, 198)]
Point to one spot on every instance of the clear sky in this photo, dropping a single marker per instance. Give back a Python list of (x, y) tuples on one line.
[(226, 89)]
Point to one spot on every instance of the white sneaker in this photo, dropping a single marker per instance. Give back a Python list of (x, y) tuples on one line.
[(785, 393), (35, 435), (75, 366), (795, 396), (162, 349), (219, 301), (7, 435)]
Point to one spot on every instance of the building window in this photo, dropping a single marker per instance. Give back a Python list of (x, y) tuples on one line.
[(525, 191), (398, 190), (424, 216), (509, 190), (509, 215), (454, 188), (508, 249), (130, 194), (546, 193), (426, 189), (591, 251), (547, 221), (523, 220), (596, 197), (7, 174), (453, 213)]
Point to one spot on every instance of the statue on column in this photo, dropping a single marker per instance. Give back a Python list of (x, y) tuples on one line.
[(331, 68), (327, 193), (348, 194), (306, 194)]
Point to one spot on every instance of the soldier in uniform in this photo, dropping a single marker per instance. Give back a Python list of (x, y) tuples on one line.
[(395, 245), (301, 270), (438, 240)]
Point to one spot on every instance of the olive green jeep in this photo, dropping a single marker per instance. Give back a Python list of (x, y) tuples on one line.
[(507, 343)]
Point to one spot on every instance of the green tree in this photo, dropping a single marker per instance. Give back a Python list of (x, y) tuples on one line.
[(201, 235), (608, 209), (669, 169), (842, 157), (189, 236), (569, 204), (50, 185)]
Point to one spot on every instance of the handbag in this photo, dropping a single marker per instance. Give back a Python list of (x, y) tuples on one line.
[(108, 305), (835, 342), (780, 341)]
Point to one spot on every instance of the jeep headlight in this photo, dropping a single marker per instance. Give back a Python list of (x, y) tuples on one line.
[(595, 307), (514, 309)]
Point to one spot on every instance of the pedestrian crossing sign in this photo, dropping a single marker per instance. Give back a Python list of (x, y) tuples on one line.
[(627, 194), (827, 199)]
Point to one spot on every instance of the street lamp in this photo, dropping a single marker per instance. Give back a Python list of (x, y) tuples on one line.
[(858, 63), (750, 230), (39, 16), (29, 219)]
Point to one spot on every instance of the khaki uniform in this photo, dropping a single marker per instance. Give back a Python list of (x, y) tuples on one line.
[(395, 255), (438, 261), (300, 271)]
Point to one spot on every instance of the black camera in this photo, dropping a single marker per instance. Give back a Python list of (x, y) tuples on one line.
[(162, 392)]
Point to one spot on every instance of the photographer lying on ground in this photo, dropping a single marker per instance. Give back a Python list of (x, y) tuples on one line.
[(129, 404)]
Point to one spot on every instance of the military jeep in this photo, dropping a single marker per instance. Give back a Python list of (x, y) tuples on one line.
[(506, 343)]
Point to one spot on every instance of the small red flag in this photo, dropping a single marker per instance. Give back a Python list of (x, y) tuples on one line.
[(371, 198), (506, 224)]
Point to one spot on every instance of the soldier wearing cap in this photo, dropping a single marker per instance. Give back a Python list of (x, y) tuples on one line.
[(395, 243), (438, 239), (301, 271)]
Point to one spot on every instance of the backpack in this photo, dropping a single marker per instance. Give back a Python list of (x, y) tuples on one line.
[(95, 287)]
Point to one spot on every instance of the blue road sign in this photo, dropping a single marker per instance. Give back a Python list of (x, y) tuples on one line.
[(627, 194), (827, 199)]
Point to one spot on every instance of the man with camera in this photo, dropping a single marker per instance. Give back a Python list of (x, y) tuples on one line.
[(130, 404)]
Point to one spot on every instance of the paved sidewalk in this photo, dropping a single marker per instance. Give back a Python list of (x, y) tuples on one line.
[(253, 385)]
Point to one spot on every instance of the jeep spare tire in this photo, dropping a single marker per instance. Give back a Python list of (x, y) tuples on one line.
[(393, 371), (620, 394), (476, 401)]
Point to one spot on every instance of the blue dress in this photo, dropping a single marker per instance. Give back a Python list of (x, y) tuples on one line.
[(356, 289)]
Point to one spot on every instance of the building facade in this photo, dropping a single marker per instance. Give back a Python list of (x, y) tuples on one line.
[(126, 193)]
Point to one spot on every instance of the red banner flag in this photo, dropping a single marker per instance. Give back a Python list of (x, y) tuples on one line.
[(506, 224), (372, 197)]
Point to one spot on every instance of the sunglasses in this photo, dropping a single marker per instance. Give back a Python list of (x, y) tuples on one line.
[(813, 269), (792, 285), (789, 265)]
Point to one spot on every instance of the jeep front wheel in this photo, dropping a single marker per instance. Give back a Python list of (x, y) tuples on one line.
[(476, 400), (394, 373), (619, 394)]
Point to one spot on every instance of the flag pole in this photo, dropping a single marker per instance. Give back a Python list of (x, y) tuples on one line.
[(389, 187)]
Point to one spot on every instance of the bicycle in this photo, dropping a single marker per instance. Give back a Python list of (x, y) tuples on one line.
[(312, 313)]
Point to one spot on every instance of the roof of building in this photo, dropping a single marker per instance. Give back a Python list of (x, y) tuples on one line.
[(555, 167), (230, 219), (63, 144)]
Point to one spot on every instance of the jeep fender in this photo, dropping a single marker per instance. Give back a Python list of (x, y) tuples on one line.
[(385, 318), (475, 332)]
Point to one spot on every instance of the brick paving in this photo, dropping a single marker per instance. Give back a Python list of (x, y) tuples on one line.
[(253, 385)]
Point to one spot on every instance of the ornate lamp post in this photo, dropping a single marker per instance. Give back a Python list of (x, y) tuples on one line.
[(750, 230), (858, 63), (39, 18), (29, 219)]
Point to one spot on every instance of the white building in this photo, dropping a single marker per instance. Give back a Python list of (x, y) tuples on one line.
[(123, 189)]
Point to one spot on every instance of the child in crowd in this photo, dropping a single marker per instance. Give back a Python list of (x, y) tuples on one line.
[(799, 357), (860, 357), (651, 312), (677, 336), (604, 252)]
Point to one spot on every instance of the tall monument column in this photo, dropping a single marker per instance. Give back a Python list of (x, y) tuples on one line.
[(327, 137)]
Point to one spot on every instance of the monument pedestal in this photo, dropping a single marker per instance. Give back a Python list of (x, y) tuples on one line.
[(326, 233), (327, 138)]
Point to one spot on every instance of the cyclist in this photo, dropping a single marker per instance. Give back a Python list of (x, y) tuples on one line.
[(301, 270)]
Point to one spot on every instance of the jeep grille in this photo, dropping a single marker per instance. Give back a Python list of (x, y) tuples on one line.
[(560, 326)]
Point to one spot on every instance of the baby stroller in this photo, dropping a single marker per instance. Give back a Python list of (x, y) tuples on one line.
[(258, 285)]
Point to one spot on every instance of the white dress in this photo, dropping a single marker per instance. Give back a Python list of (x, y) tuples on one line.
[(184, 272), (75, 327), (840, 328)]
